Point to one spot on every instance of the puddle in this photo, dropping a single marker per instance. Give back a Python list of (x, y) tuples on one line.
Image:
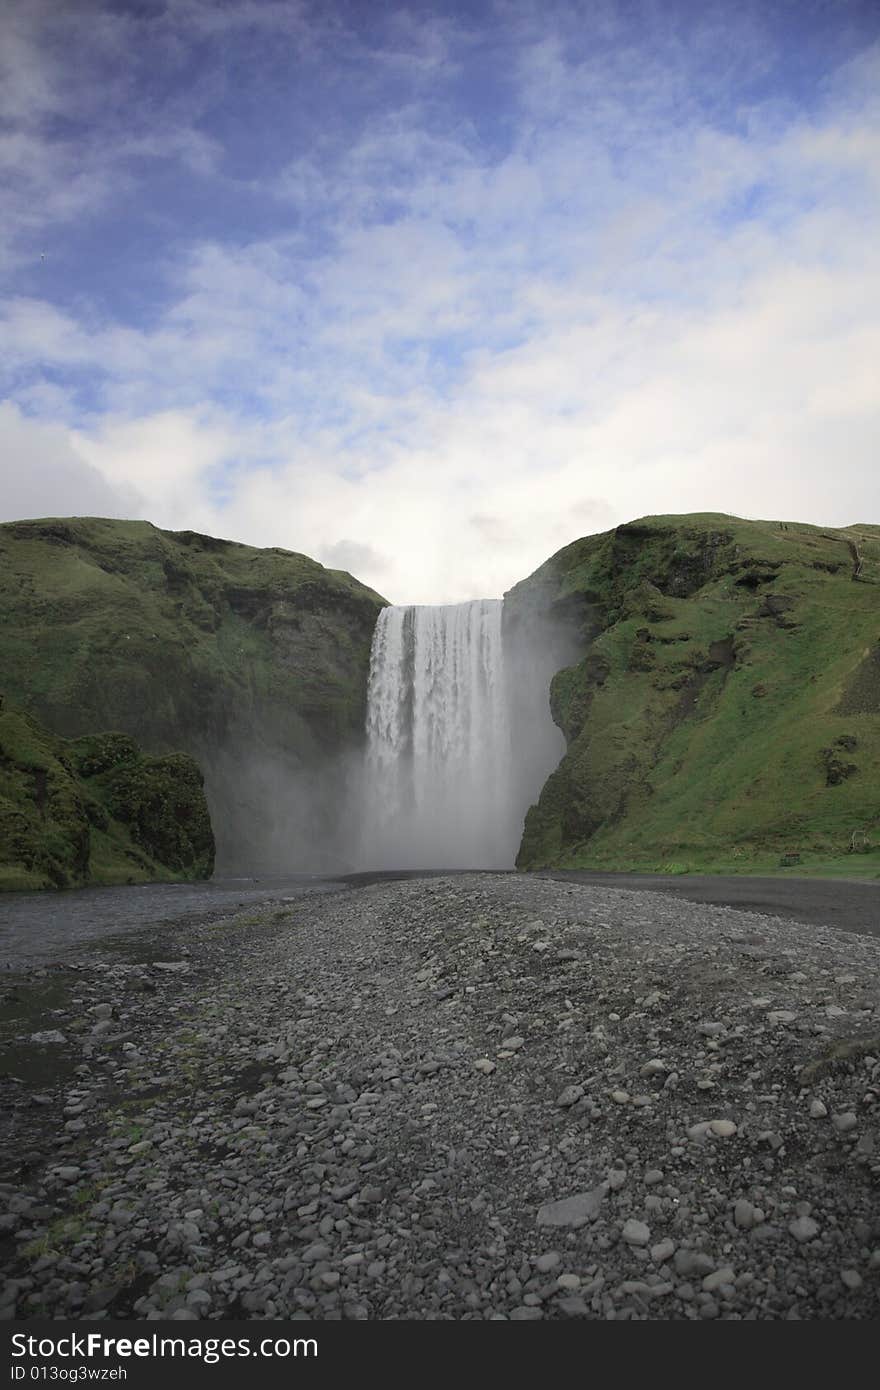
[(36, 1006)]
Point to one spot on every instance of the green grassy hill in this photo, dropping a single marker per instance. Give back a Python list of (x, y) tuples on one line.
[(95, 810), (254, 661), (726, 714)]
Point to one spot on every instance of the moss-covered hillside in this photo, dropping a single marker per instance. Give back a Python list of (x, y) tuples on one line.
[(254, 661), (96, 810), (726, 713)]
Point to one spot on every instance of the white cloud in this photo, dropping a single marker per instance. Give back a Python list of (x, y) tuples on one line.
[(161, 449), (444, 362), (353, 556), (43, 475)]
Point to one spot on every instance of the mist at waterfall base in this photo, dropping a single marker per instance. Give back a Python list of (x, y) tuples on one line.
[(458, 744), (459, 737), (276, 814)]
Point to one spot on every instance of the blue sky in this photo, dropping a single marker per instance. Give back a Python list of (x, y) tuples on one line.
[(427, 291)]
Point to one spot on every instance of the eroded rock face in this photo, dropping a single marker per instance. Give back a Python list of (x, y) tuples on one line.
[(253, 661), (725, 672)]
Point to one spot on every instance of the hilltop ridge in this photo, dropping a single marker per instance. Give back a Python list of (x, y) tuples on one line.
[(717, 684)]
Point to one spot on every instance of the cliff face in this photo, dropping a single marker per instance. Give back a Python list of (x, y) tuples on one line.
[(725, 709), (253, 661), (96, 810)]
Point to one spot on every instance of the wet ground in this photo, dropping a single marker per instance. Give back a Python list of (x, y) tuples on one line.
[(820, 902), (45, 928)]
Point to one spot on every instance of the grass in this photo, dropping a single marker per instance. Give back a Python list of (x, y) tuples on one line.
[(726, 713), (96, 810), (725, 717), (843, 1052), (174, 637), (59, 1235), (235, 655)]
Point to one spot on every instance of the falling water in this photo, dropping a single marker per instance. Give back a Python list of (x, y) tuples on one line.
[(439, 765)]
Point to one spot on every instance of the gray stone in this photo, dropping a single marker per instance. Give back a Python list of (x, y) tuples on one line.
[(573, 1307), (573, 1211), (724, 1129), (663, 1250), (744, 1214), (845, 1122), (570, 1096), (636, 1232), (803, 1228), (550, 1260)]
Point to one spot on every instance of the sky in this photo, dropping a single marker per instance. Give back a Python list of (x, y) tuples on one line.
[(428, 291)]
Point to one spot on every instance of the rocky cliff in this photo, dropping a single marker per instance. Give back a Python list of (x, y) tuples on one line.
[(253, 661), (725, 709), (96, 810)]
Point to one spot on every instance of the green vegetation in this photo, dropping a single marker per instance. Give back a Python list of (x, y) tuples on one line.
[(724, 717), (838, 1055), (726, 714), (253, 661), (96, 810)]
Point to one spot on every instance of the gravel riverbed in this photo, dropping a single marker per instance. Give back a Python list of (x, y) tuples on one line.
[(471, 1097)]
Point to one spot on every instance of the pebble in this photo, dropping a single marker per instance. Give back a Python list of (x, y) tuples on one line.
[(572, 1211), (744, 1214), (663, 1250), (804, 1228), (699, 1130), (313, 1253), (723, 1128), (570, 1096), (550, 1260), (289, 1128), (845, 1122), (636, 1232), (573, 1307), (713, 1281)]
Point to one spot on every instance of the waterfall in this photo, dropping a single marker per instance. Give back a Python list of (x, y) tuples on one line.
[(439, 760)]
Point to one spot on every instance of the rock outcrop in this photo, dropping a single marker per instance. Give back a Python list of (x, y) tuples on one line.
[(725, 712), (253, 661), (96, 810)]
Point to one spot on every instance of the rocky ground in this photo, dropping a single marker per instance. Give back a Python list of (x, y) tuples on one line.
[(459, 1098)]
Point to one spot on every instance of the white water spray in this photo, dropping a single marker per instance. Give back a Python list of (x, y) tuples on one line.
[(439, 764)]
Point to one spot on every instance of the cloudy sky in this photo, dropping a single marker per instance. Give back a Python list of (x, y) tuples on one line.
[(428, 290)]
